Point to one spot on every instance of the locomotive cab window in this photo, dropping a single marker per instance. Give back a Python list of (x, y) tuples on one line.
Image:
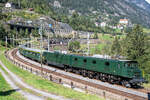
[(127, 65), (107, 63)]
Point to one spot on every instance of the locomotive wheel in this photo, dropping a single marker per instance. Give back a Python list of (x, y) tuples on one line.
[(110, 79), (97, 77), (84, 73), (126, 84), (77, 72), (66, 69), (103, 79), (90, 75)]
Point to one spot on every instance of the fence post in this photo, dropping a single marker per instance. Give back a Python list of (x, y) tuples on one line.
[(104, 94), (60, 81), (86, 89), (36, 72), (50, 77), (72, 85), (31, 70), (22, 66)]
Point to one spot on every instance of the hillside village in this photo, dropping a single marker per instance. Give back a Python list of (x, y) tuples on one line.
[(59, 27)]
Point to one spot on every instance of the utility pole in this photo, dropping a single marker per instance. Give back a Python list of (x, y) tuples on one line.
[(50, 27), (13, 40), (48, 42), (88, 44), (31, 40), (16, 38), (41, 51), (19, 3), (6, 42), (41, 45)]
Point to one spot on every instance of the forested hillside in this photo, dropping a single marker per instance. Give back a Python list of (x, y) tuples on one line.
[(110, 11), (90, 11), (138, 11)]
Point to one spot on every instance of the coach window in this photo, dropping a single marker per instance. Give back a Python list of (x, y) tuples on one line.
[(84, 60), (94, 62), (107, 63), (76, 59)]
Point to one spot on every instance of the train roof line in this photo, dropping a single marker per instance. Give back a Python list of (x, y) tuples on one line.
[(106, 58)]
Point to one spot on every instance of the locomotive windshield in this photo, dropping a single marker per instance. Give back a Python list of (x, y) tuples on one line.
[(131, 64)]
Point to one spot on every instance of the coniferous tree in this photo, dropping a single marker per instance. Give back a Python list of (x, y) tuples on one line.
[(95, 36), (116, 47), (74, 45), (137, 47), (136, 43)]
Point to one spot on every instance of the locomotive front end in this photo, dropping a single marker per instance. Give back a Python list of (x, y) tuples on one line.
[(135, 73)]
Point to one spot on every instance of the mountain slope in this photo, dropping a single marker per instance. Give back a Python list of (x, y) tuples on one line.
[(141, 3), (138, 11)]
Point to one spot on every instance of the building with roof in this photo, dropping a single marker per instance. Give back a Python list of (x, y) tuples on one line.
[(57, 4), (103, 24), (8, 5), (123, 21)]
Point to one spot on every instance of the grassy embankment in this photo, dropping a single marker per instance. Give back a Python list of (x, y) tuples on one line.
[(6, 92), (46, 85), (147, 86)]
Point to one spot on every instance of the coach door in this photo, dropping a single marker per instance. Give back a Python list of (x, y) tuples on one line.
[(118, 68)]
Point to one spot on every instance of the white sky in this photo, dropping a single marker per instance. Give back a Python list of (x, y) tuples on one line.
[(148, 1)]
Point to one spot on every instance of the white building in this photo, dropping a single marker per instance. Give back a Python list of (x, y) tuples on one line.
[(103, 24), (57, 4), (8, 5), (123, 21), (96, 24)]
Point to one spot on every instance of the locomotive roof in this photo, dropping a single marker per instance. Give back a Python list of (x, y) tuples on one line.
[(128, 61), (31, 49), (95, 57), (105, 58), (37, 50)]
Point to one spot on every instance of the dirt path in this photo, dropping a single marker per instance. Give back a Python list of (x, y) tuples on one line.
[(15, 79), (27, 95)]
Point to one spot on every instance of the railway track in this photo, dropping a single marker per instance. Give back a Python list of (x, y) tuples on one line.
[(132, 96)]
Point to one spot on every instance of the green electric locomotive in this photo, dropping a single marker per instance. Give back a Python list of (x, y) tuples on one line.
[(123, 72)]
